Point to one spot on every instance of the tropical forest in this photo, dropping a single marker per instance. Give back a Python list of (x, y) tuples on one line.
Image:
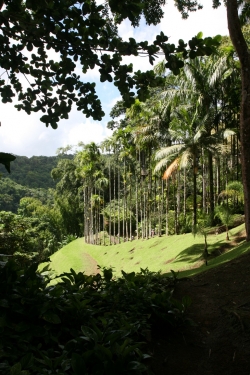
[(128, 256)]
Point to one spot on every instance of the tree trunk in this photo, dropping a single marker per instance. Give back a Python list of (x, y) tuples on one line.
[(103, 221), (119, 203), (136, 198), (241, 48), (167, 203), (218, 173), (124, 199), (204, 192), (184, 193), (130, 206), (194, 193), (114, 209), (211, 185), (178, 203), (110, 209)]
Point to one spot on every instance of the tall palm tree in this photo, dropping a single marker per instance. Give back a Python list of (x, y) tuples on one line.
[(101, 184), (88, 168), (189, 138), (201, 82)]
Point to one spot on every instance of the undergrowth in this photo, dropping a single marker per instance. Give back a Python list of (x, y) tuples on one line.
[(91, 325)]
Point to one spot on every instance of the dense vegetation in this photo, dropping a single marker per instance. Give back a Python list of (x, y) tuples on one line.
[(171, 166), (34, 172), (66, 28), (12, 193), (174, 165), (90, 324), (30, 225)]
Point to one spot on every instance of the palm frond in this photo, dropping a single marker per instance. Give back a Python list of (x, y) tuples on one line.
[(198, 135), (168, 151), (185, 159), (171, 169), (219, 70), (161, 164)]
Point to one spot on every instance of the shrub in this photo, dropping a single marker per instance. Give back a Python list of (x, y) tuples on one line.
[(82, 324)]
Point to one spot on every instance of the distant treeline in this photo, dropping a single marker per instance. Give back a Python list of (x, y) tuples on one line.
[(11, 193), (34, 172)]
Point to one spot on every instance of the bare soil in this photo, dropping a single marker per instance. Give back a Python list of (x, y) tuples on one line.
[(90, 264), (219, 342)]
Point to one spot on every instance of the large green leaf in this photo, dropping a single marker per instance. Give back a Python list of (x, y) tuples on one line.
[(51, 317)]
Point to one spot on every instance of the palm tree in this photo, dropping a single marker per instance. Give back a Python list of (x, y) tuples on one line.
[(201, 82), (101, 184), (89, 166), (225, 214), (189, 138)]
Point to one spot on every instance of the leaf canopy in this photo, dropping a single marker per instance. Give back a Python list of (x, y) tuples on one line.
[(49, 42)]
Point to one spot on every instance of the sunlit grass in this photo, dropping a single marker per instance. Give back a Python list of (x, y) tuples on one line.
[(179, 253)]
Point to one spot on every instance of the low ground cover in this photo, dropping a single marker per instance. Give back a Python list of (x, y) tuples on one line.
[(92, 325)]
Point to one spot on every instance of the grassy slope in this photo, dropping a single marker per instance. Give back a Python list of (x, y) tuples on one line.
[(176, 253)]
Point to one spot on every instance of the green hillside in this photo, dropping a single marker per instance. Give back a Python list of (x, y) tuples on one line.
[(178, 253), (34, 172)]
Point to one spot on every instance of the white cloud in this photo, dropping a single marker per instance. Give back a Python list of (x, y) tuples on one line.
[(208, 20), (86, 132), (24, 134)]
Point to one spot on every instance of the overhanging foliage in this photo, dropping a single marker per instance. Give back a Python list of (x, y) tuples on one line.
[(47, 42)]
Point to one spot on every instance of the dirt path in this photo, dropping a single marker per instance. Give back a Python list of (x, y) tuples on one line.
[(89, 264)]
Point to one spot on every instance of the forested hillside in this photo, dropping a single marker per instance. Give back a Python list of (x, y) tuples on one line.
[(11, 193), (30, 224), (33, 172)]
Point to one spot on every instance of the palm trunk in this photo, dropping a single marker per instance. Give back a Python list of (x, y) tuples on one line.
[(114, 210), (218, 171), (167, 203), (178, 203), (118, 197), (103, 221), (99, 218), (136, 201), (149, 196), (175, 205), (91, 218), (124, 199), (85, 216), (204, 193), (110, 209), (194, 194), (154, 207), (241, 48), (211, 185), (144, 214), (126, 217), (130, 207), (184, 193)]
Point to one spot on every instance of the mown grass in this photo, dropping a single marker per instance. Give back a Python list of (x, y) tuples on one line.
[(178, 253)]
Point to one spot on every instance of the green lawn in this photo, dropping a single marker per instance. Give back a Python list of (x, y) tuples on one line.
[(179, 253)]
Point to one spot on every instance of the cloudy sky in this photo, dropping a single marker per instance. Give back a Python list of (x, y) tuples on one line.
[(23, 134)]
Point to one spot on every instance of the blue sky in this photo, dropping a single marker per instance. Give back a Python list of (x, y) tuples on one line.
[(23, 134)]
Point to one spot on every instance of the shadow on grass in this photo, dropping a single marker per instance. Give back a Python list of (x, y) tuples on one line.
[(237, 251), (193, 253)]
